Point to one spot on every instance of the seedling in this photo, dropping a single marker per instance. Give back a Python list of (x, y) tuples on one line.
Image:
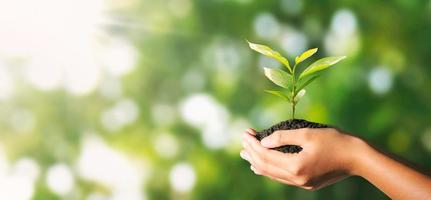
[(291, 80)]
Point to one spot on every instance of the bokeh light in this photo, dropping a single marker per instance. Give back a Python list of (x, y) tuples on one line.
[(123, 113), (266, 26), (380, 80), (17, 181), (182, 177), (60, 179), (100, 163), (203, 112), (294, 42), (343, 37)]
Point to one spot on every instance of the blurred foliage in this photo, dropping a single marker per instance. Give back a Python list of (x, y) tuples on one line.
[(188, 47)]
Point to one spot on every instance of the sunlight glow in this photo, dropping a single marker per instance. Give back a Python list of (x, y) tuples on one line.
[(54, 51), (118, 57), (6, 84), (61, 48)]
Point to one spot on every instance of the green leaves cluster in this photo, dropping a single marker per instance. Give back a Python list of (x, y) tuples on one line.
[(292, 81)]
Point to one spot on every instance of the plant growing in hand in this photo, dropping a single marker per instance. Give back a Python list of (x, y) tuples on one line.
[(291, 80)]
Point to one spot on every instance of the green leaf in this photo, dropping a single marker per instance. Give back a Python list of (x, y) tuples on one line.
[(303, 84), (305, 55), (278, 76), (267, 51), (320, 65), (279, 94), (299, 95)]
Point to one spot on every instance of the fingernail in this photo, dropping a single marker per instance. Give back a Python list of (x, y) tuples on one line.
[(266, 142)]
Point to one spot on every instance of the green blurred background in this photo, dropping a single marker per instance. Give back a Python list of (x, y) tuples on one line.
[(146, 99)]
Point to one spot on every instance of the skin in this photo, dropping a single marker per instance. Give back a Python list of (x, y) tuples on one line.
[(329, 156)]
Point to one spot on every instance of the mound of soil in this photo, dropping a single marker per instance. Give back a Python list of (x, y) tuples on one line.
[(289, 125)]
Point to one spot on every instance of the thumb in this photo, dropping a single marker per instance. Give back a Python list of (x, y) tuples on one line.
[(281, 138)]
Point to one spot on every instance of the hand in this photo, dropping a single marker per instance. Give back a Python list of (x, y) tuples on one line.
[(327, 156)]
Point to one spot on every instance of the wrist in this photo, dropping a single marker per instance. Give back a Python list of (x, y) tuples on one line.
[(358, 152)]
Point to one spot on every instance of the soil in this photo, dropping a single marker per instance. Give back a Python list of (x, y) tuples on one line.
[(289, 125)]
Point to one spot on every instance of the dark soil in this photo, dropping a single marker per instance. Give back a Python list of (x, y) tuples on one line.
[(289, 125)]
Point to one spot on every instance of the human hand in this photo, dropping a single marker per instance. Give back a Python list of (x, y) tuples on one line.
[(327, 156)]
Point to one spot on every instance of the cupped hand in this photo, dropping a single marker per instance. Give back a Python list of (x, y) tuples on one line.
[(327, 156)]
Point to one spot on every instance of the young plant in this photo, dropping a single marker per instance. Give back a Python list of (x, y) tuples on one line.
[(292, 81)]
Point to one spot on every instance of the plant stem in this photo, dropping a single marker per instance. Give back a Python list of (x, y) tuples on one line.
[(293, 102), (294, 69), (293, 110), (293, 92)]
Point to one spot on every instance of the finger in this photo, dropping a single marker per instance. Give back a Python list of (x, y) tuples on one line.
[(268, 170), (259, 163), (273, 157), (284, 137), (267, 161), (287, 182), (251, 131), (258, 172), (251, 142), (244, 155)]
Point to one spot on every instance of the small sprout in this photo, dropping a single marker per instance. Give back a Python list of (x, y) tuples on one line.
[(292, 81)]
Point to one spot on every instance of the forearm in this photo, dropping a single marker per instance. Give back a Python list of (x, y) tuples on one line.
[(395, 179)]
